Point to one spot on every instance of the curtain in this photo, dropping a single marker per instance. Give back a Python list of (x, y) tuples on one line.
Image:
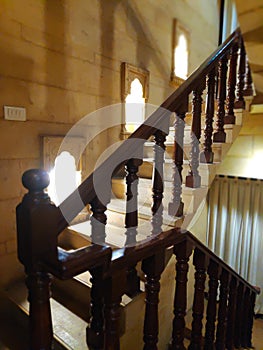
[(235, 227)]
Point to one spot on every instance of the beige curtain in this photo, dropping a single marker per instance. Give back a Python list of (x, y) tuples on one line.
[(235, 227)]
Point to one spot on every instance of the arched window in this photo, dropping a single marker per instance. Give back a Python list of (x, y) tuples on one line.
[(64, 178), (181, 58), (134, 95), (180, 54), (134, 106)]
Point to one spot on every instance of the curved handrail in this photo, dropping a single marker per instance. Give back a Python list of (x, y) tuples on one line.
[(71, 206)]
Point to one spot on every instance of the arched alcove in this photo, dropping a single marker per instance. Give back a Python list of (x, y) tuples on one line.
[(135, 92)]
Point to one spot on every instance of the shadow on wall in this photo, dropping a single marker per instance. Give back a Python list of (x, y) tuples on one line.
[(147, 50)]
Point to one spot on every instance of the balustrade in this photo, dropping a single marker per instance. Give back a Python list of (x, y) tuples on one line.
[(113, 270)]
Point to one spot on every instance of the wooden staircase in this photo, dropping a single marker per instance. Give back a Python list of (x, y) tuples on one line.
[(142, 238)]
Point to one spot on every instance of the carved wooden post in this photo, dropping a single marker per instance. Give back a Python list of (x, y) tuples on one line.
[(176, 207), (240, 102), (211, 306), (251, 319), (207, 155), (222, 311), (245, 318), (198, 305), (230, 117), (182, 252), (220, 135), (114, 288), (231, 314), (95, 329), (98, 221), (239, 312), (157, 207), (193, 179), (152, 267), (37, 241), (131, 216), (248, 86), (131, 221)]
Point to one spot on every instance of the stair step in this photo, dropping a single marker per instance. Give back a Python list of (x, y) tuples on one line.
[(69, 329)]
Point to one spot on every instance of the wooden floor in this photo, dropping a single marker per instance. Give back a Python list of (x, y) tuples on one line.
[(258, 334)]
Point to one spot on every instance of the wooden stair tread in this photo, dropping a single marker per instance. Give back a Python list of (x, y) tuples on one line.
[(69, 329)]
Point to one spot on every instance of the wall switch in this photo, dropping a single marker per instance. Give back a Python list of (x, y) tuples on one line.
[(15, 113)]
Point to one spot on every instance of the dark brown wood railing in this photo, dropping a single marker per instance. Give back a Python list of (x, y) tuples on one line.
[(113, 271)]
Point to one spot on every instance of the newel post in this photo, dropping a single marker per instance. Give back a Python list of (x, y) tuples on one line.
[(36, 237)]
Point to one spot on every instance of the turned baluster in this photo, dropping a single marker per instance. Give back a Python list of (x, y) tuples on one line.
[(98, 221), (222, 311), (153, 268), (95, 329), (240, 102), (131, 220), (157, 207), (220, 135), (176, 207), (131, 216), (207, 155), (182, 251), (211, 306), (245, 319), (250, 319), (248, 83), (239, 313), (231, 314), (198, 305), (230, 117), (193, 179), (114, 288), (37, 242)]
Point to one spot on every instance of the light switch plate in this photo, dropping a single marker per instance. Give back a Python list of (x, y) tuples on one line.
[(15, 113)]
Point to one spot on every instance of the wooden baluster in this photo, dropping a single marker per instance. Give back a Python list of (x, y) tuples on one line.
[(222, 311), (240, 102), (239, 313), (193, 179), (245, 319), (37, 240), (131, 221), (176, 207), (220, 135), (114, 288), (182, 251), (231, 314), (40, 322), (211, 306), (248, 86), (131, 216), (250, 319), (153, 268), (157, 207), (207, 155), (95, 329), (230, 117), (198, 305), (98, 221)]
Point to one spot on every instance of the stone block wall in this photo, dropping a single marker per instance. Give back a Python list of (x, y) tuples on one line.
[(61, 60)]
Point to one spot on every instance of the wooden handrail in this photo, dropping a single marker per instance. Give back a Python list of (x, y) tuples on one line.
[(219, 261), (71, 206), (113, 272)]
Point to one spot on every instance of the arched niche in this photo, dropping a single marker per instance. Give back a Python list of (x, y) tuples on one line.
[(180, 54), (134, 94)]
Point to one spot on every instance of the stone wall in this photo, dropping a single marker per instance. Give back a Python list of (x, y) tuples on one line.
[(61, 60)]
